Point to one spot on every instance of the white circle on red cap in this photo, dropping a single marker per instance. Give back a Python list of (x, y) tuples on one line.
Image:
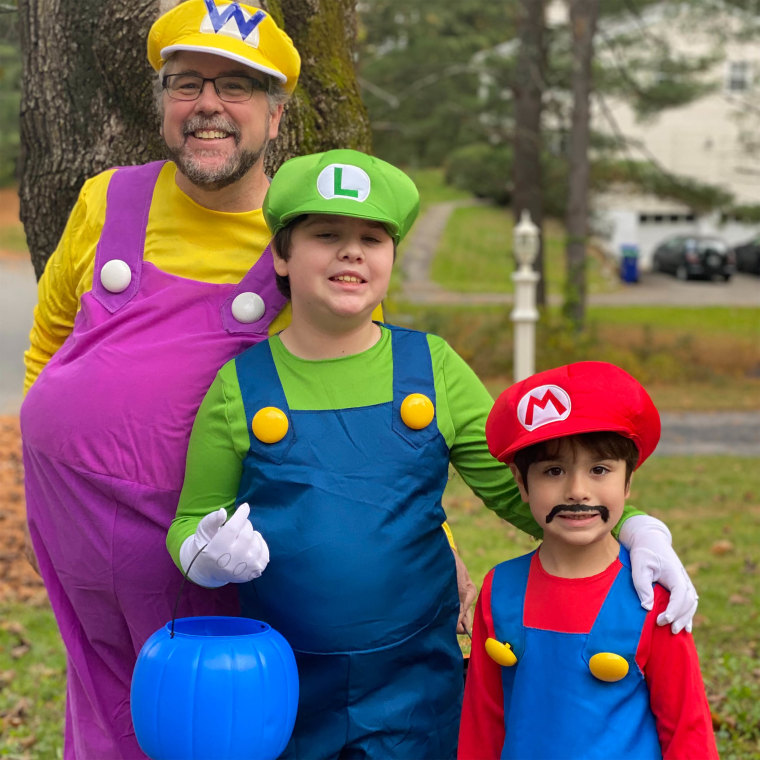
[(542, 406), (343, 181)]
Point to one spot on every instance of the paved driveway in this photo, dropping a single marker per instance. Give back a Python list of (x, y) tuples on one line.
[(652, 288), (658, 288)]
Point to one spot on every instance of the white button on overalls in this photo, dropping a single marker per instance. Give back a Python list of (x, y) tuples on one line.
[(248, 307), (115, 275)]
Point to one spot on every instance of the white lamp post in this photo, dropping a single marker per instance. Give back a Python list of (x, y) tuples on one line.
[(524, 314)]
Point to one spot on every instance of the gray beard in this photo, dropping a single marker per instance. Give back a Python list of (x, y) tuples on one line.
[(237, 166), (215, 179)]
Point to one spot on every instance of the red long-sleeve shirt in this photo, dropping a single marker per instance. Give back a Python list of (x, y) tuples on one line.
[(570, 605)]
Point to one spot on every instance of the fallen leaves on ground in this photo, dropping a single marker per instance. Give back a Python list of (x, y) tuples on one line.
[(721, 547), (19, 582)]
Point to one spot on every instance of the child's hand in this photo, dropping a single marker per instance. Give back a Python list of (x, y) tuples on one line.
[(222, 552)]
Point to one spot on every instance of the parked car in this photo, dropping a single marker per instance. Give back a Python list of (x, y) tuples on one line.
[(694, 256), (748, 256)]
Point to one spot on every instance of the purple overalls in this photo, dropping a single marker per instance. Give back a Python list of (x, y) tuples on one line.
[(105, 431)]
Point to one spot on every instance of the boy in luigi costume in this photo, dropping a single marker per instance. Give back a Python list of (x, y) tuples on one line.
[(338, 432), (565, 662)]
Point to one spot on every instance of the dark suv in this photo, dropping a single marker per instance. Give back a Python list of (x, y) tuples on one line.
[(748, 256), (694, 256)]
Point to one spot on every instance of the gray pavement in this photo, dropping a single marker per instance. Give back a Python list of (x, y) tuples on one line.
[(18, 295), (652, 288), (734, 433)]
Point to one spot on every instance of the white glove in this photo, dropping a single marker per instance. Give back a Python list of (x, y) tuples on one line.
[(233, 552), (652, 559)]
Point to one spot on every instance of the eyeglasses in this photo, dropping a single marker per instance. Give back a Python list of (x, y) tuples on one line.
[(231, 89)]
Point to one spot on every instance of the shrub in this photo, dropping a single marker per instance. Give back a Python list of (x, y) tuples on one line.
[(483, 170)]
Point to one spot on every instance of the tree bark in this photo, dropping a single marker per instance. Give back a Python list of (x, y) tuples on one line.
[(528, 89), (87, 98), (583, 20)]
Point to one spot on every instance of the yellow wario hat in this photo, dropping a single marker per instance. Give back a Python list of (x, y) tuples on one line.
[(239, 32)]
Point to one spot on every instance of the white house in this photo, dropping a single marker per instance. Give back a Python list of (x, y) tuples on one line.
[(714, 140)]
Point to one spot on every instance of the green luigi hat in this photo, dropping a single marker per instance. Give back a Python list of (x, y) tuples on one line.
[(346, 183)]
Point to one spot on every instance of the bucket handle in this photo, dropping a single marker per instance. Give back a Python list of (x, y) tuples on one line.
[(182, 588)]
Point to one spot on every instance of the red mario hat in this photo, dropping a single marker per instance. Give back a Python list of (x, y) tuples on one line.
[(584, 397)]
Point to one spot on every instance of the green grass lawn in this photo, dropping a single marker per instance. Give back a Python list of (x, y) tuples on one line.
[(13, 239), (475, 251), (712, 505), (32, 684), (483, 262), (432, 188)]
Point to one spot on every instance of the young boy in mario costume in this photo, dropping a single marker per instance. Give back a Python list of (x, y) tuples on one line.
[(565, 662)]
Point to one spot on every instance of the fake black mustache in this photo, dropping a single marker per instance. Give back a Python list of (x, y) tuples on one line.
[(602, 510)]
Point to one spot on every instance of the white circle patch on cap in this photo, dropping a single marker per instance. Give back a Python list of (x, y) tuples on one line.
[(343, 181), (543, 405)]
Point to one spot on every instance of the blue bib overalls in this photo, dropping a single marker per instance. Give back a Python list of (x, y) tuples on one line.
[(361, 579), (554, 707)]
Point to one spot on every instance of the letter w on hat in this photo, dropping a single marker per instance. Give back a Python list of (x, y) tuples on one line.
[(219, 21)]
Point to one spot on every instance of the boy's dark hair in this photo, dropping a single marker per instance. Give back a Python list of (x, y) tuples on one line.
[(281, 247), (604, 444)]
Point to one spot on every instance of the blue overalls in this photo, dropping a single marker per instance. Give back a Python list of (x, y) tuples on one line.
[(553, 705), (361, 579)]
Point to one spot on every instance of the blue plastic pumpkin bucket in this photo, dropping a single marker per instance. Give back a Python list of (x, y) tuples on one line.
[(214, 687)]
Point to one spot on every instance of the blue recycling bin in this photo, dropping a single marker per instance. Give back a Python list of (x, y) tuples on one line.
[(629, 263)]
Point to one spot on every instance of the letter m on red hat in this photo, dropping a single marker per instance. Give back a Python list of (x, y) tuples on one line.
[(543, 405)]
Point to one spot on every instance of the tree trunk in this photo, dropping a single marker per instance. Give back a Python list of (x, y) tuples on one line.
[(583, 20), (87, 98), (528, 92)]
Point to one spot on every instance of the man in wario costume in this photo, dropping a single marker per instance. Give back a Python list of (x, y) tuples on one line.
[(159, 278), (565, 661), (337, 434)]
